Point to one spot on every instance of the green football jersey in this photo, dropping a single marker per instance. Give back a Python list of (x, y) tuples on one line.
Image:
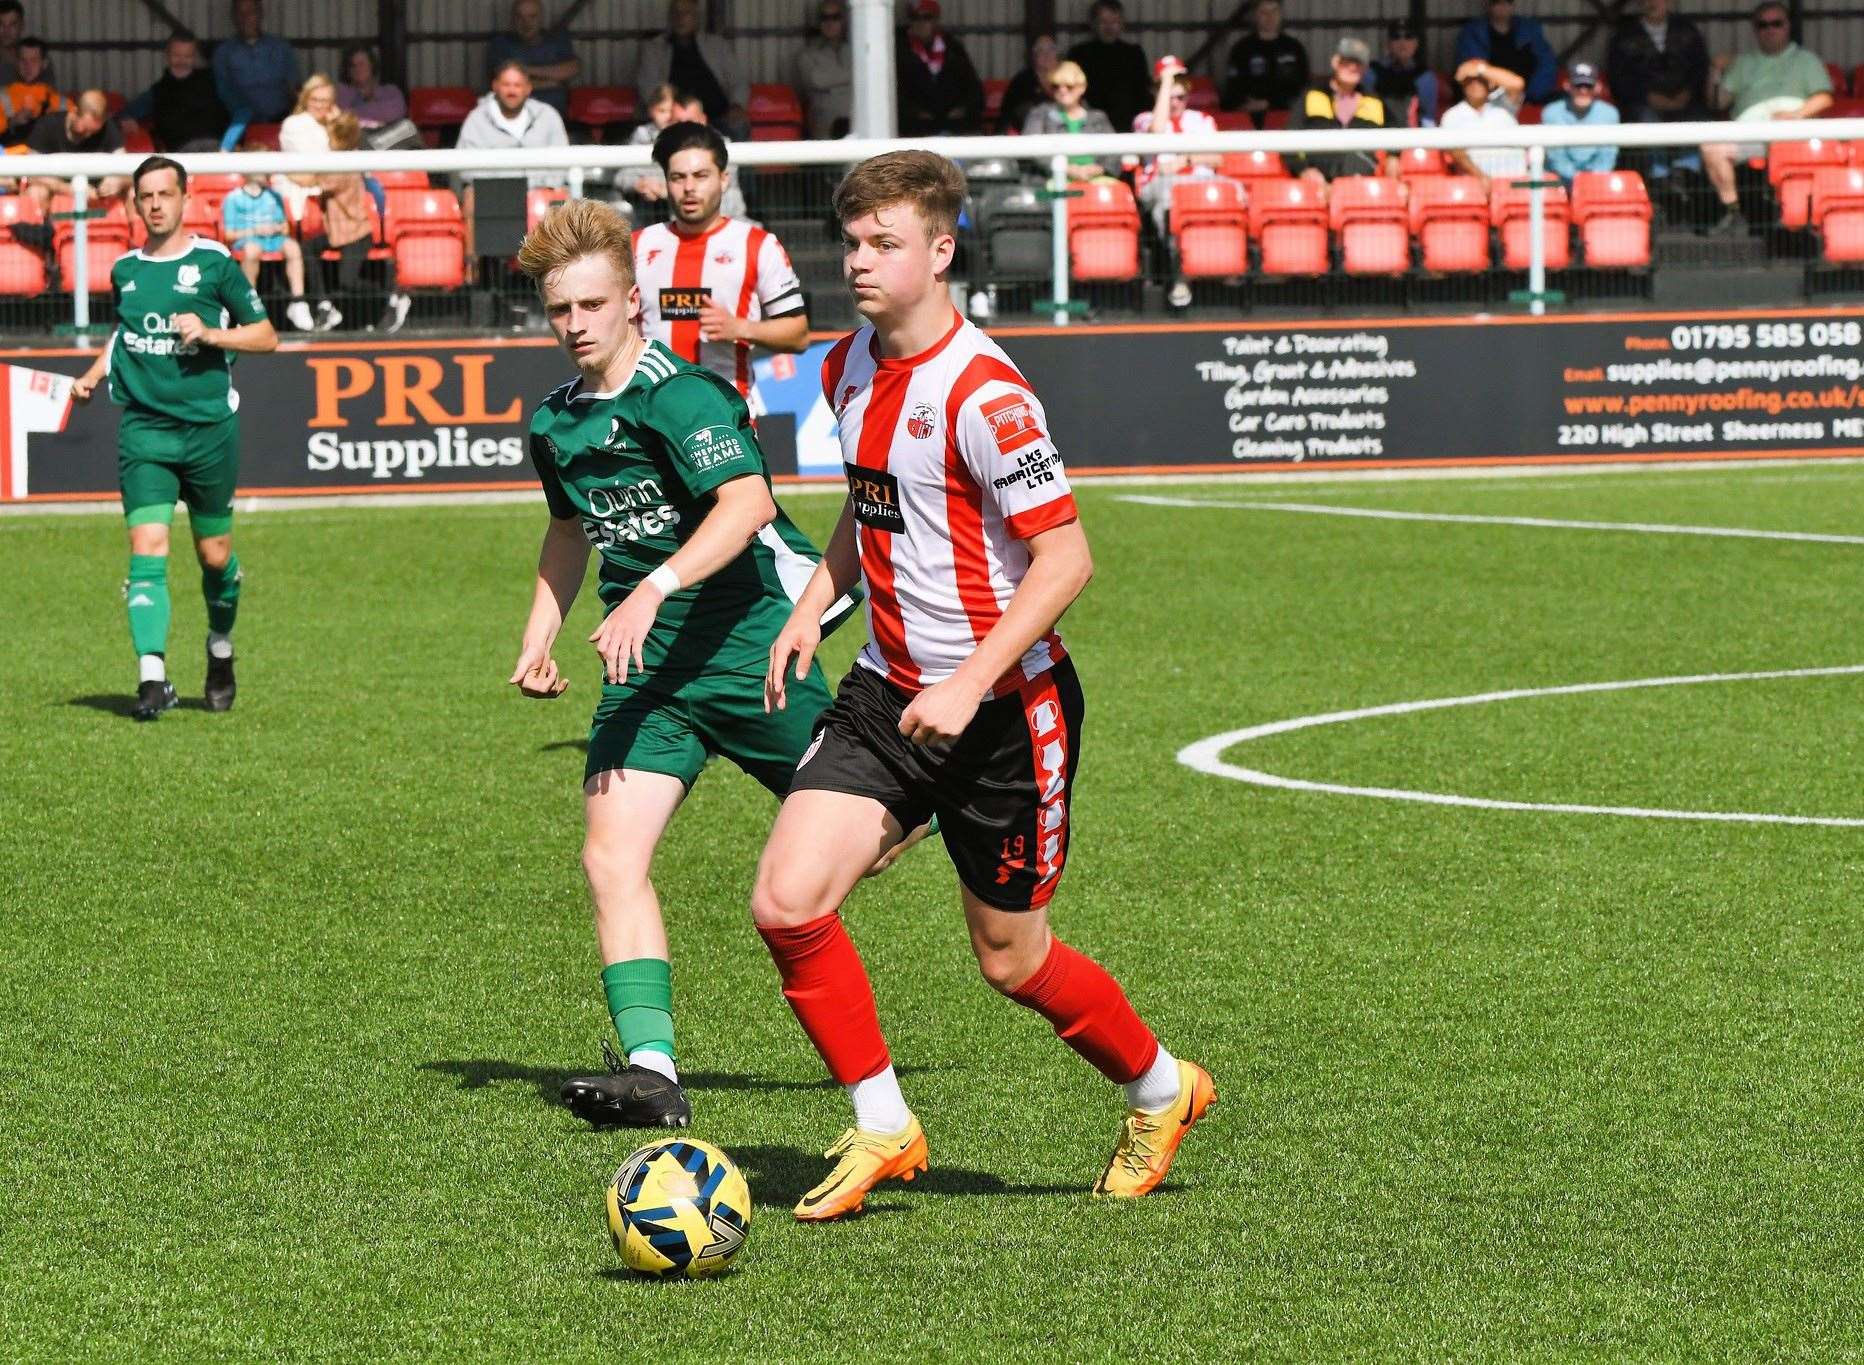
[(639, 467), (150, 368)]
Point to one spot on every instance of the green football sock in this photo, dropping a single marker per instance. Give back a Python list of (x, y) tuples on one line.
[(221, 589), (640, 1000), (146, 592)]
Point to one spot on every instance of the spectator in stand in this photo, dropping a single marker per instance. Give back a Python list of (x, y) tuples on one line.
[(1658, 68), (1067, 112), (31, 94), (1116, 69), (704, 65), (505, 118), (348, 231), (255, 73), (1491, 94), (1580, 105), (254, 225), (1030, 86), (12, 33), (1405, 87), (1342, 102), (1781, 81), (182, 110), (1171, 112), (1502, 39), (939, 91), (306, 131), (667, 108), (546, 54), (375, 103), (823, 72), (1268, 68), (84, 126)]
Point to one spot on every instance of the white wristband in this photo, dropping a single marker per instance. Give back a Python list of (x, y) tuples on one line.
[(665, 579)]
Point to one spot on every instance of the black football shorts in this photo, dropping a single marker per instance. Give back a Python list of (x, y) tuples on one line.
[(1000, 790)]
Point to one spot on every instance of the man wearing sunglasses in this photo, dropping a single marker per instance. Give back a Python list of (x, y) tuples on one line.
[(1780, 81)]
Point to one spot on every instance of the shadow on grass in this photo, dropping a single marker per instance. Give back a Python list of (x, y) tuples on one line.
[(122, 703), (779, 1176), (479, 1072), (582, 745)]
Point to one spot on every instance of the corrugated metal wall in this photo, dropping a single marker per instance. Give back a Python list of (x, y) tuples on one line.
[(448, 46)]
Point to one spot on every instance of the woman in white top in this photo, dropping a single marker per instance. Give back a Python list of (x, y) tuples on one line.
[(305, 131)]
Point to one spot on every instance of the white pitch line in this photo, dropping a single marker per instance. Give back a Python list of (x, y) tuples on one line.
[(1205, 756), (1467, 519)]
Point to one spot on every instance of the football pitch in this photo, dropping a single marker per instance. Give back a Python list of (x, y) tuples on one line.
[(290, 991)]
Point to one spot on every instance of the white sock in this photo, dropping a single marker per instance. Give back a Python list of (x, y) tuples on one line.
[(1157, 1086), (154, 667), (655, 1060), (218, 645), (879, 1107)]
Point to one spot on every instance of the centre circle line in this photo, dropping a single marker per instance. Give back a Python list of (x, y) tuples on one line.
[(1206, 755)]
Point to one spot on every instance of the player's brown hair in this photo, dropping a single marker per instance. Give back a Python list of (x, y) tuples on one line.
[(929, 182), (572, 230)]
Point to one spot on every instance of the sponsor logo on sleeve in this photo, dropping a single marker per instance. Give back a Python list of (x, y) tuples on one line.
[(1012, 421), (875, 496), (710, 447), (683, 305)]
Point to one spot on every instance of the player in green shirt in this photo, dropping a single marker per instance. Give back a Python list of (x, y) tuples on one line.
[(654, 462), (183, 309)]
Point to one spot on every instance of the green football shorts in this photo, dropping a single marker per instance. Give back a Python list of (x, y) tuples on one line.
[(675, 725), (160, 460)]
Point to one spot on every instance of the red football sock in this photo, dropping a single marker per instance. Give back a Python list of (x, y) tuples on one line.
[(827, 986), (1090, 1013)]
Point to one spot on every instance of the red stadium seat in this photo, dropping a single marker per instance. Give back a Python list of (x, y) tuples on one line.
[(1530, 113), (109, 223), (401, 180), (776, 114), (1423, 161), (1450, 215), (1288, 219), (1203, 94), (601, 107), (312, 223), (427, 234), (1210, 222), (1790, 168), (100, 255), (1841, 84), (136, 140), (436, 108), (1838, 213), (1103, 232), (1613, 212), (1247, 166), (22, 269), (1845, 108), (262, 135), (994, 91), (1513, 215), (114, 100), (537, 203), (1232, 120), (211, 189), (1275, 119), (201, 216), (1368, 215)]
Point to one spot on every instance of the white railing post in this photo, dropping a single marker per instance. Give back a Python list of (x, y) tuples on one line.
[(1058, 253), (576, 182), (870, 36), (1536, 219), (81, 267)]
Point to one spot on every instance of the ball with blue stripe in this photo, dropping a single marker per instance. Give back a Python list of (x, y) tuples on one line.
[(678, 1207)]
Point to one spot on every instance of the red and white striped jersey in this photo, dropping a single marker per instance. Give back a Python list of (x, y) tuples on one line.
[(741, 266), (950, 472)]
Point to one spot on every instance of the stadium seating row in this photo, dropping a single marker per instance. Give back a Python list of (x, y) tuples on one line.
[(776, 113)]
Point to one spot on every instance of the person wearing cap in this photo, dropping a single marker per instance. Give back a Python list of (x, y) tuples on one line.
[(1171, 112), (1268, 68), (1490, 96), (1117, 71), (939, 90), (1503, 39), (1580, 105), (1405, 85), (1342, 102)]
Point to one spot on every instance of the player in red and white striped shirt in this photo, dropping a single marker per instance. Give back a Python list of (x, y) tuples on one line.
[(712, 287), (963, 705)]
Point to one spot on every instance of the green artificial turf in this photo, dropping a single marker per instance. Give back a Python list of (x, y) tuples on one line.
[(289, 991)]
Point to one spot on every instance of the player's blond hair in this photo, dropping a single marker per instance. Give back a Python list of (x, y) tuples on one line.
[(571, 231), (929, 182)]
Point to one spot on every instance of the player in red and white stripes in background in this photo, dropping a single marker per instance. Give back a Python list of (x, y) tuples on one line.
[(963, 704), (712, 287)]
